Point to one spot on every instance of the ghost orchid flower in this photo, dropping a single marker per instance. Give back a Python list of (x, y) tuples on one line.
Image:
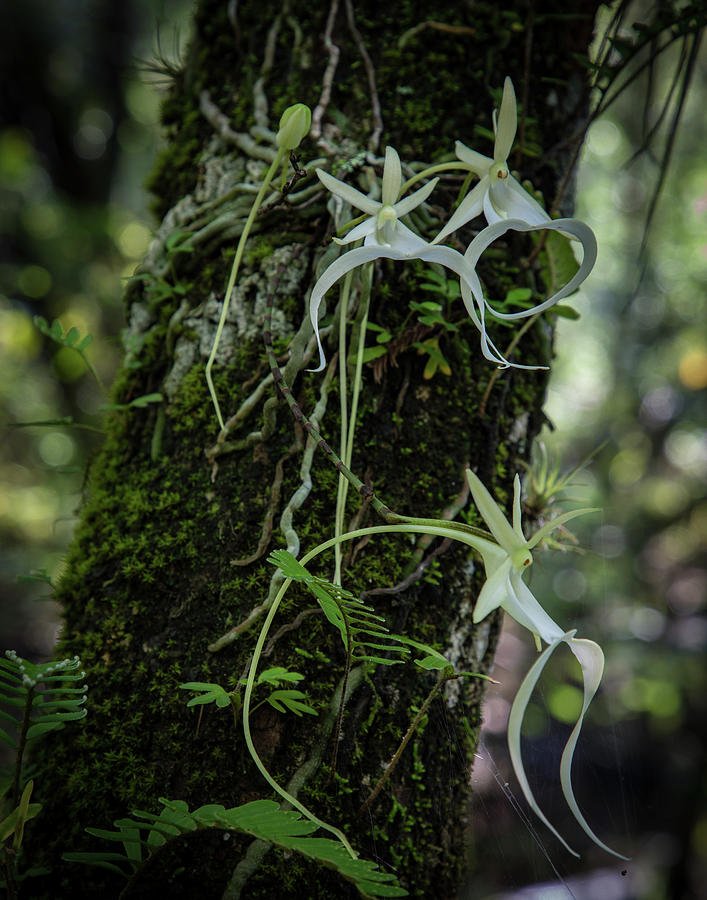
[(383, 227), (505, 563), (498, 194), (384, 235)]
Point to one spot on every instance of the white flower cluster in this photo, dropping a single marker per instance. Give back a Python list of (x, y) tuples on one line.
[(498, 195)]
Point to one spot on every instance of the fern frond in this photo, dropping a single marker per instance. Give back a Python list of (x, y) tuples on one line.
[(261, 819), (350, 616)]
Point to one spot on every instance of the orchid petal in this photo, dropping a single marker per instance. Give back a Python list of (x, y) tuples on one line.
[(494, 591), (392, 177), (345, 263), (515, 721), (574, 227), (591, 659), (404, 206), (348, 193), (532, 211), (492, 515), (409, 244), (508, 200), (525, 608), (549, 527), (362, 230), (477, 162), (470, 207), (507, 122)]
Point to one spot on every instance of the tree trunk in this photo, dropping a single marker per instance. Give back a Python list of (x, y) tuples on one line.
[(170, 553)]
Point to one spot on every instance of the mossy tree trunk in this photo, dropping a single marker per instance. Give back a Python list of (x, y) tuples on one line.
[(170, 553)]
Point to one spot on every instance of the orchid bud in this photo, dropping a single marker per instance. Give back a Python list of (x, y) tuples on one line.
[(294, 126)]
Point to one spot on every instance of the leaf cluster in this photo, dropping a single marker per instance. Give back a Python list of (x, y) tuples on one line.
[(40, 710), (360, 628), (281, 699), (142, 836)]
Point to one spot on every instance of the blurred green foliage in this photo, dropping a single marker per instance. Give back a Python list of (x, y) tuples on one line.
[(76, 146)]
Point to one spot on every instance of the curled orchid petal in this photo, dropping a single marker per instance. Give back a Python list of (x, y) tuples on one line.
[(515, 721), (570, 227), (591, 659)]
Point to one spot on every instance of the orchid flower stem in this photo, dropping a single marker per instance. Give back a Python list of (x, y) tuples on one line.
[(347, 450), (250, 684), (343, 415), (432, 170), (269, 175)]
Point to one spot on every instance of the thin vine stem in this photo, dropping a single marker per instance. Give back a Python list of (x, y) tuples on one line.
[(350, 430), (274, 165)]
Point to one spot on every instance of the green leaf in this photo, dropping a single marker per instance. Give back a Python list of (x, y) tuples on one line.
[(277, 675), (565, 312), (137, 403), (211, 693), (71, 336), (35, 731), (291, 700), (6, 739), (371, 353), (288, 565), (561, 265), (262, 819), (518, 295), (99, 860)]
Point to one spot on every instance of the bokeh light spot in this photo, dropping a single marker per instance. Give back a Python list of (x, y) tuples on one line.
[(34, 281)]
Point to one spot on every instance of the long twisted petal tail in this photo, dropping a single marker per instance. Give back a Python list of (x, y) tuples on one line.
[(473, 296), (333, 273), (515, 721), (583, 233), (507, 122), (591, 658)]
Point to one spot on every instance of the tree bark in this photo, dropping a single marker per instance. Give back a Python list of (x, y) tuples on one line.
[(170, 553)]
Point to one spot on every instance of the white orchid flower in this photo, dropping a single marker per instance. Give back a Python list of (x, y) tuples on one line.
[(383, 227), (506, 562), (384, 236), (498, 194)]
